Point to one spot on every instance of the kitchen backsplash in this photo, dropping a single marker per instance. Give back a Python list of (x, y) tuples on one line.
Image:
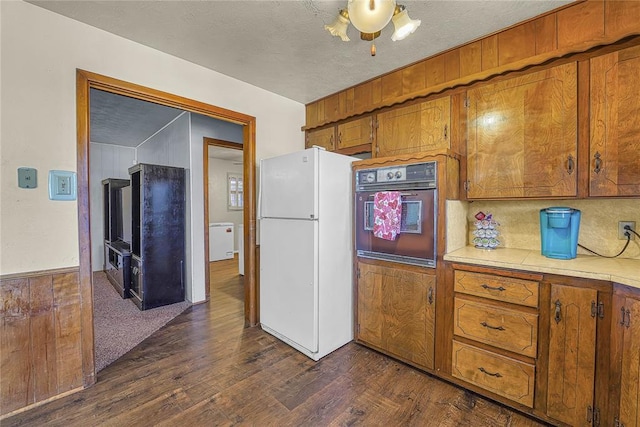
[(520, 223)]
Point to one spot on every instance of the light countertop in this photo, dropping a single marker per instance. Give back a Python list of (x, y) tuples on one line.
[(620, 270)]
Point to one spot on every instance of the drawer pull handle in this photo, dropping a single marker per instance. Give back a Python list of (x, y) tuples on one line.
[(430, 295), (484, 371), (498, 328), (491, 288)]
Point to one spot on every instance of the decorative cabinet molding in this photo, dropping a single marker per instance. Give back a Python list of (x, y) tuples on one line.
[(575, 28)]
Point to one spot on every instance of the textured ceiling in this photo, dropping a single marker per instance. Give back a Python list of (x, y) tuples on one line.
[(119, 120), (281, 46), (128, 122)]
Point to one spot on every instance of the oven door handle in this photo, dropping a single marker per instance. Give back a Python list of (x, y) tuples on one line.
[(371, 196)]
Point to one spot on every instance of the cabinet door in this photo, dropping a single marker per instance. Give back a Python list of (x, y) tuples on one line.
[(418, 127), (396, 312), (572, 352), (629, 415), (521, 136), (322, 138), (615, 124), (356, 132)]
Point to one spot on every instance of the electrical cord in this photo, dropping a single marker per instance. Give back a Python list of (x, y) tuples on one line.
[(626, 227), (626, 245)]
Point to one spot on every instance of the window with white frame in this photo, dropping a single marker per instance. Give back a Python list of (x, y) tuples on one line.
[(235, 191)]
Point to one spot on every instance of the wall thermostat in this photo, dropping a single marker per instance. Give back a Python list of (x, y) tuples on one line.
[(62, 185)]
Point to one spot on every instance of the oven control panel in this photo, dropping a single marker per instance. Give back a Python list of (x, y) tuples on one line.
[(414, 175)]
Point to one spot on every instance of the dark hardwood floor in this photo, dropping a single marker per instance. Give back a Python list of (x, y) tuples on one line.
[(205, 369)]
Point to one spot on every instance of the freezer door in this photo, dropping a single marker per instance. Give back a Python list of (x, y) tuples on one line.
[(289, 186), (288, 280)]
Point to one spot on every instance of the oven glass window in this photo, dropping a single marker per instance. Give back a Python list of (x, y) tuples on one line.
[(411, 218)]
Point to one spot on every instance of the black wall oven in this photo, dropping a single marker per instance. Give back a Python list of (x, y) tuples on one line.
[(416, 242)]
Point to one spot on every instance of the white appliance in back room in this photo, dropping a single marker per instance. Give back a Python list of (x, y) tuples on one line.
[(220, 241), (306, 257)]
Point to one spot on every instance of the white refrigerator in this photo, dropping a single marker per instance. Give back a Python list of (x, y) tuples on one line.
[(306, 256)]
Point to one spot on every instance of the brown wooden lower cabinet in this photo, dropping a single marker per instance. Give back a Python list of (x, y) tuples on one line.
[(572, 355), (625, 363), (565, 350), (396, 312)]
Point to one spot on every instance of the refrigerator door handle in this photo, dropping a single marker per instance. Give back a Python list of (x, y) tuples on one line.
[(259, 213)]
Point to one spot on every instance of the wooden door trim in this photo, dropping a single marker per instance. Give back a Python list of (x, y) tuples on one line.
[(209, 142), (85, 80)]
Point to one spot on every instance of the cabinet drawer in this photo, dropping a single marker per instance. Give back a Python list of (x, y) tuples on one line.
[(512, 330), (501, 375), (516, 291)]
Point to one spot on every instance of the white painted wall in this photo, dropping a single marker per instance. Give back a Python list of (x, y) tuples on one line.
[(39, 54), (218, 210), (169, 146), (106, 161)]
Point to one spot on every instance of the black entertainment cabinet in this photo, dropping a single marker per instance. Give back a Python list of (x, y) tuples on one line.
[(117, 256), (157, 235)]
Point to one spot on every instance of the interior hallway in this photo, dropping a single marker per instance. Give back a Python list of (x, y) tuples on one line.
[(204, 368)]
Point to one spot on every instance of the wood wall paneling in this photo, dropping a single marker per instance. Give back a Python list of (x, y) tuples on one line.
[(435, 70), (362, 96), (40, 338), (413, 78), (517, 43), (451, 65), (490, 52), (391, 86), (582, 23), (332, 107), (621, 17), (546, 31), (311, 114), (470, 59), (347, 101)]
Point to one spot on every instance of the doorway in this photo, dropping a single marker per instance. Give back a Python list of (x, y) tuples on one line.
[(223, 166), (84, 82)]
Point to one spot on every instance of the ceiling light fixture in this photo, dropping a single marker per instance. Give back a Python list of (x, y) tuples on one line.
[(370, 17)]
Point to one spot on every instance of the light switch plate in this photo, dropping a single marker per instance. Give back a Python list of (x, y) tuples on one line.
[(27, 178), (62, 185)]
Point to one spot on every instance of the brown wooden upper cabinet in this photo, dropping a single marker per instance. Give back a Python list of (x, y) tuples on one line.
[(419, 127), (521, 136), (325, 138), (355, 132), (615, 124)]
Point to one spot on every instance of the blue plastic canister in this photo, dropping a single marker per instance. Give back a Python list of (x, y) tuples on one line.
[(559, 228)]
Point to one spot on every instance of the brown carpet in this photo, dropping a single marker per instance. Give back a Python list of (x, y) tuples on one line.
[(119, 325)]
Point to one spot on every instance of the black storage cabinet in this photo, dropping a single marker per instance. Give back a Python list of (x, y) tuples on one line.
[(158, 235), (116, 251)]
